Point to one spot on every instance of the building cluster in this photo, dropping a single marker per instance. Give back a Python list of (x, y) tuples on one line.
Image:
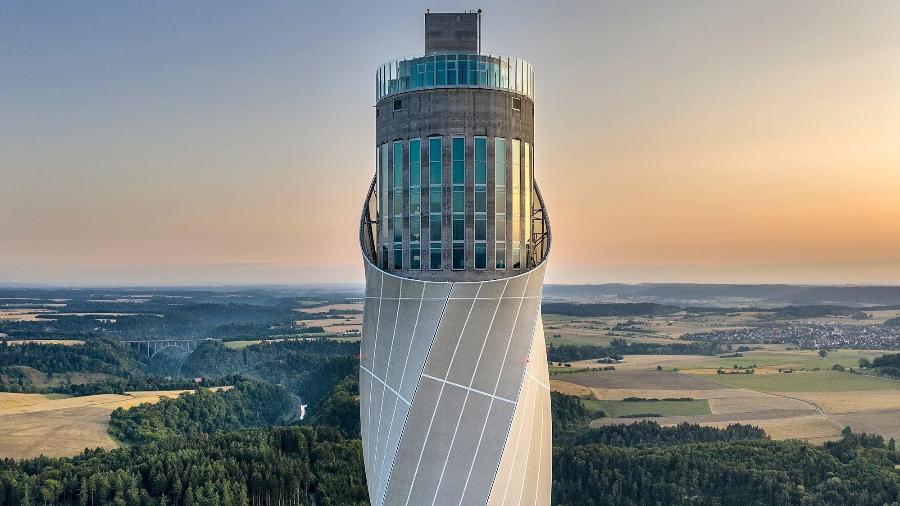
[(809, 335)]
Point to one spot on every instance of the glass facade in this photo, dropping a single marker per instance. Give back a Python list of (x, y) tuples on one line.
[(456, 71), (415, 204), (516, 201), (500, 203), (479, 199), (383, 202), (526, 197), (435, 198), (397, 172), (458, 164), (412, 204)]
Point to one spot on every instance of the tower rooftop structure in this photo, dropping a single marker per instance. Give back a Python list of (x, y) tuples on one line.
[(450, 32), (454, 389)]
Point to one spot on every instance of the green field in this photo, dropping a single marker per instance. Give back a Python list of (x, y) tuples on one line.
[(805, 359), (812, 381), (615, 409), (560, 330)]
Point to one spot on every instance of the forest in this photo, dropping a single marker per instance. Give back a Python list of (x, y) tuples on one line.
[(248, 404), (317, 464), (308, 369), (612, 309), (887, 365), (246, 446), (619, 347)]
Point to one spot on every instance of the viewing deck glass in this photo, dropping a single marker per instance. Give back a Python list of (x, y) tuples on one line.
[(453, 70)]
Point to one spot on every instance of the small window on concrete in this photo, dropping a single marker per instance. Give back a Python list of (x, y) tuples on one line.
[(517, 104), (398, 104), (377, 111)]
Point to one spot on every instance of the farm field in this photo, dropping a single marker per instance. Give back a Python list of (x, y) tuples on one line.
[(805, 381), (764, 360), (561, 329), (616, 409), (65, 342), (811, 405), (34, 424)]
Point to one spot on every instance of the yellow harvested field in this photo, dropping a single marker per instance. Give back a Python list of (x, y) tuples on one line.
[(569, 388), (812, 428), (21, 315), (852, 402), (351, 322), (66, 342), (11, 401), (33, 425), (721, 401), (747, 401)]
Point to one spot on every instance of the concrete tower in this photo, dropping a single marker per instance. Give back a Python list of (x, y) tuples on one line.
[(454, 392)]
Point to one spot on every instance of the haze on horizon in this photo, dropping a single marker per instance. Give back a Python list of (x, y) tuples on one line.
[(215, 143)]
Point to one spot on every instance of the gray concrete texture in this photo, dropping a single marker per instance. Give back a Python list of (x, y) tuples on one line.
[(452, 31)]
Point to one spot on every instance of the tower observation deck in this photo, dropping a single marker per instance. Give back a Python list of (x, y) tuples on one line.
[(455, 399)]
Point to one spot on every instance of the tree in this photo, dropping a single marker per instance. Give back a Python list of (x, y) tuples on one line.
[(823, 353)]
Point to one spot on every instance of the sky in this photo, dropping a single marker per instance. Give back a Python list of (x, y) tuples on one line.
[(220, 142)]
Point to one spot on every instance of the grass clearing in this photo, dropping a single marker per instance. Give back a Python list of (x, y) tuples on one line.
[(810, 381), (644, 380), (616, 409), (795, 359)]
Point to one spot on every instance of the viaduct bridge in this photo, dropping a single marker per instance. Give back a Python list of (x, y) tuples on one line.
[(153, 346)]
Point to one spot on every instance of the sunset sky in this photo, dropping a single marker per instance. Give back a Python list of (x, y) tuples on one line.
[(232, 142)]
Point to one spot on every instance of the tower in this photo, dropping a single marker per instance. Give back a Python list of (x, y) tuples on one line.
[(454, 391)]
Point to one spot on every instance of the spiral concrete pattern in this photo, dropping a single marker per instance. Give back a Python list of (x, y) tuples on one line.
[(454, 391)]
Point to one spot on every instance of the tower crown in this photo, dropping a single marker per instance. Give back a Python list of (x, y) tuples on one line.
[(447, 32)]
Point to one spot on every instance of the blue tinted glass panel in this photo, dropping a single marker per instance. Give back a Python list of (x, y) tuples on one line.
[(415, 201), (480, 229), (435, 199), (480, 200), (480, 255), (415, 228), (415, 257), (398, 165), (415, 162), (459, 160), (434, 226), (434, 157), (459, 199), (480, 160), (435, 262), (459, 256), (459, 228)]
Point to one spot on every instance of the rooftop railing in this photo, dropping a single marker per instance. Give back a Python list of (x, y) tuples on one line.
[(454, 70)]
